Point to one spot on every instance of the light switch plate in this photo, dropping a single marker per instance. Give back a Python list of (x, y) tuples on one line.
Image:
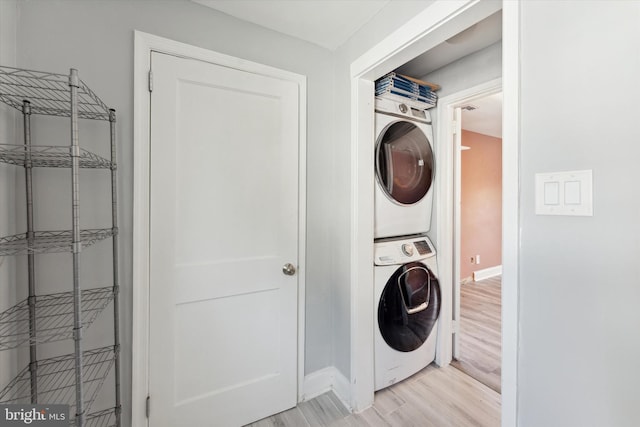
[(564, 193)]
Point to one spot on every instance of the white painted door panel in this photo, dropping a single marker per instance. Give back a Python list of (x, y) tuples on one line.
[(224, 220)]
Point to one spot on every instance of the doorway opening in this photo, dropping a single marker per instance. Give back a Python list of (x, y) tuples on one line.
[(478, 229), (416, 36)]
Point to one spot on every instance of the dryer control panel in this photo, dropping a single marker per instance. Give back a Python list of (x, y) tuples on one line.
[(402, 251)]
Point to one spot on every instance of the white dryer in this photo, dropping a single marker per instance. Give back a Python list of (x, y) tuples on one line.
[(407, 305), (405, 164)]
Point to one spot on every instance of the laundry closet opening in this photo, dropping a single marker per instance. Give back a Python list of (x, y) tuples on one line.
[(470, 58)]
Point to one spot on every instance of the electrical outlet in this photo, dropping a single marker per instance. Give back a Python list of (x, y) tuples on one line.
[(477, 259)]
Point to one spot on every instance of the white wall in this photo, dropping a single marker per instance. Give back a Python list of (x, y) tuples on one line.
[(96, 37), (579, 276), (8, 15)]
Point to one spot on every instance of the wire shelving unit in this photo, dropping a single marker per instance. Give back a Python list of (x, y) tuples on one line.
[(49, 241), (48, 94), (55, 317), (56, 378), (75, 378), (51, 156)]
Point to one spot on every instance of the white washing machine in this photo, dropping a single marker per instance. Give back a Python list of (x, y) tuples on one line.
[(407, 305), (405, 166)]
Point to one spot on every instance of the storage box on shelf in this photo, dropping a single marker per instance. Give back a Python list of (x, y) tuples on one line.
[(75, 378), (408, 90)]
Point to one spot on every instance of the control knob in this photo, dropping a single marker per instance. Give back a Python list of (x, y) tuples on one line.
[(407, 249)]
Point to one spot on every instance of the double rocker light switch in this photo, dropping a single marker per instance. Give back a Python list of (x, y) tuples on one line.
[(564, 193)]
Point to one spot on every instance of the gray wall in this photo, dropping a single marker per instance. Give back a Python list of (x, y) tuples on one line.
[(474, 69), (394, 15), (469, 71), (579, 276), (8, 15), (96, 37)]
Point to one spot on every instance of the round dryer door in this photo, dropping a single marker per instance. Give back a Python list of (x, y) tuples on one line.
[(404, 162), (409, 307)]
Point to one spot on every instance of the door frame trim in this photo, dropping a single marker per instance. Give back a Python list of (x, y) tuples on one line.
[(448, 228), (144, 45), (436, 23)]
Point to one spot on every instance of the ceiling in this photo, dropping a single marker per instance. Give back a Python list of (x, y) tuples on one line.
[(486, 118), (478, 36), (327, 23), (330, 23)]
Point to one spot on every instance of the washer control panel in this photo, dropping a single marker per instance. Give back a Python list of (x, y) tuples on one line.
[(395, 108), (400, 251)]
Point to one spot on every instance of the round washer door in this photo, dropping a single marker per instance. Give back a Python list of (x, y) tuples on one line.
[(409, 307), (404, 162)]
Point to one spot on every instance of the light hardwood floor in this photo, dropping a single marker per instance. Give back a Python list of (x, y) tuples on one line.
[(437, 397), (461, 395), (480, 335)]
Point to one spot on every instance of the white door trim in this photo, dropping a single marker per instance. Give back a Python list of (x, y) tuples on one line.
[(510, 209), (144, 45), (435, 24), (448, 227)]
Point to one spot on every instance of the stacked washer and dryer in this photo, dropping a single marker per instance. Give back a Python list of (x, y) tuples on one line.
[(407, 292)]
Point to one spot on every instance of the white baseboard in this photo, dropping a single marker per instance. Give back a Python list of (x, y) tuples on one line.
[(324, 380), (317, 383), (487, 273), (342, 389)]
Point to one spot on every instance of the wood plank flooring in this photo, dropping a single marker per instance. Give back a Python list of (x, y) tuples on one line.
[(464, 394), (480, 331), (434, 397)]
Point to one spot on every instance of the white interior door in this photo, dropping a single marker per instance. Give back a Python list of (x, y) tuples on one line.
[(224, 222), (456, 140)]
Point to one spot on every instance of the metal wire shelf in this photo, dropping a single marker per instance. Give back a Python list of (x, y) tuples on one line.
[(56, 380), (54, 320), (50, 241), (50, 156), (48, 94), (76, 378), (106, 418)]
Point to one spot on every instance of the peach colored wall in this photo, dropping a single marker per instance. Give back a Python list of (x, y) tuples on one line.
[(481, 207)]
